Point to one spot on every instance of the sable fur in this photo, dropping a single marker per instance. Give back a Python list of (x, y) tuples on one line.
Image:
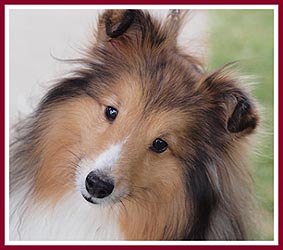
[(211, 114)]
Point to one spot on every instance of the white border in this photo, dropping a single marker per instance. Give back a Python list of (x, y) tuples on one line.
[(276, 128), (7, 123), (88, 7), (186, 243)]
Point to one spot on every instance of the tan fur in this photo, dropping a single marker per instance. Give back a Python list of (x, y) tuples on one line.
[(61, 146), (155, 201)]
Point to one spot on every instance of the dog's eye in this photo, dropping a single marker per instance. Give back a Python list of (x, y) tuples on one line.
[(111, 113), (159, 145)]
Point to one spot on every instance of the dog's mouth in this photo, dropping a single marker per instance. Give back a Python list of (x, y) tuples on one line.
[(111, 199), (96, 201), (90, 199)]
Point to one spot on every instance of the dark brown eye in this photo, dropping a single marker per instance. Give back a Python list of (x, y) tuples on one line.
[(111, 113), (159, 146)]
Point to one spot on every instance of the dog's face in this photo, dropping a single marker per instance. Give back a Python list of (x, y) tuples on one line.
[(118, 145), (141, 123)]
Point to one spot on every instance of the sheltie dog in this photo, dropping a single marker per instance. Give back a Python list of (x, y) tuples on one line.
[(141, 143)]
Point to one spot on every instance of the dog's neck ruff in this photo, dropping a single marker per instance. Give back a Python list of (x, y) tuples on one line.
[(72, 219)]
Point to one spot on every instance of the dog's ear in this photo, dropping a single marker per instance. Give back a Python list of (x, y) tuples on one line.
[(240, 110), (137, 28), (174, 22), (120, 27), (244, 116), (115, 23)]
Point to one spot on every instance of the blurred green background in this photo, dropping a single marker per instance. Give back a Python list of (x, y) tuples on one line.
[(247, 36)]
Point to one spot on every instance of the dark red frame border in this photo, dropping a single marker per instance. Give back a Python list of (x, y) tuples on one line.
[(97, 2)]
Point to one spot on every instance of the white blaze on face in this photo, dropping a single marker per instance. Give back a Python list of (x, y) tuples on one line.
[(109, 157), (106, 161)]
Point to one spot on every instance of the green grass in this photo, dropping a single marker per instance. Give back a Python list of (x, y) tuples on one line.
[(247, 36)]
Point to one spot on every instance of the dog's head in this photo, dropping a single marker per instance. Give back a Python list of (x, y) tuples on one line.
[(143, 125)]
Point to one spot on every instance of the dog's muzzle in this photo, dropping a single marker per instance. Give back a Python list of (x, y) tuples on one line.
[(98, 185)]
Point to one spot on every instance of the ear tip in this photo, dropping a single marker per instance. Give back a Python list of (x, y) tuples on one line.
[(124, 19), (244, 117)]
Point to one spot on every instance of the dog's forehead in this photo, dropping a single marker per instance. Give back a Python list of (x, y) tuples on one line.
[(157, 90)]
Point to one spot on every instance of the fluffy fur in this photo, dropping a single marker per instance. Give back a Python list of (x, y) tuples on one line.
[(198, 189)]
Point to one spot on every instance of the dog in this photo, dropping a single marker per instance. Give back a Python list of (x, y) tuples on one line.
[(140, 143)]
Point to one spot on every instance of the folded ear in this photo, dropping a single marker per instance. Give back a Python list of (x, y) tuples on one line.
[(240, 109), (121, 32), (121, 28), (244, 116), (117, 22)]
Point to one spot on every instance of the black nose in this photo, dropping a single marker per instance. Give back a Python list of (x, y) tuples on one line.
[(98, 186)]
